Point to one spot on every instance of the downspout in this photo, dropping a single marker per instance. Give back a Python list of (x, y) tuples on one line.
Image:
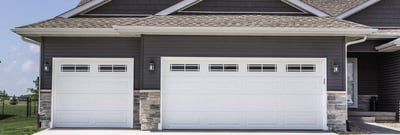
[(349, 43)]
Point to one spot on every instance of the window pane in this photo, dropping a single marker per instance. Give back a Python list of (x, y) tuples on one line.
[(216, 67), (293, 67), (308, 68), (82, 68), (177, 67), (105, 68), (192, 67), (67, 68), (119, 68), (269, 67), (231, 67), (254, 68)]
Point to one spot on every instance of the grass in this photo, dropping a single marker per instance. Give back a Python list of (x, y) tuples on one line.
[(15, 121)]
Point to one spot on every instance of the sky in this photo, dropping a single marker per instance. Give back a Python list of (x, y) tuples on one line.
[(20, 60)]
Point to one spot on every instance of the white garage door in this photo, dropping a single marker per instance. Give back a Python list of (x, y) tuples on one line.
[(243, 93), (92, 92)]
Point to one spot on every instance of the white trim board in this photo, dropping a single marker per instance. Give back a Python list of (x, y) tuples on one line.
[(83, 8), (178, 7), (355, 77), (357, 9), (392, 46), (308, 8)]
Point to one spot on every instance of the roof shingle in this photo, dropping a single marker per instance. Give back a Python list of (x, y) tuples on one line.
[(95, 22), (334, 7), (245, 21)]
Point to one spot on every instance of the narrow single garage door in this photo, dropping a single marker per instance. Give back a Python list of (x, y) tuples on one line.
[(243, 93), (92, 92)]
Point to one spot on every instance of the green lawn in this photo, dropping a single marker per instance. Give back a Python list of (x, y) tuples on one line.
[(16, 122)]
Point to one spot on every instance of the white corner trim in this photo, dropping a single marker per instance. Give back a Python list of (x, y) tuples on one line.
[(357, 9), (82, 8), (251, 31), (389, 47), (178, 6), (308, 8)]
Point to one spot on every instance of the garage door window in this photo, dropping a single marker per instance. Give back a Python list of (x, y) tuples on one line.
[(261, 67), (75, 68), (300, 67), (112, 68), (223, 67), (185, 67)]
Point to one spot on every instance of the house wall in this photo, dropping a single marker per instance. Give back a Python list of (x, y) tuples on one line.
[(219, 46), (243, 6), (389, 82), (134, 7), (383, 14), (88, 47)]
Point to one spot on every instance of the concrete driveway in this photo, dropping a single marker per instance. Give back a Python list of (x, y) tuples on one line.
[(138, 132)]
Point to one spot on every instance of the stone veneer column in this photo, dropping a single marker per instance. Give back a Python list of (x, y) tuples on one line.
[(337, 111), (45, 108), (149, 109)]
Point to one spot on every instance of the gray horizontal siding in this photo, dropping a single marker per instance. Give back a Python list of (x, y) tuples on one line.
[(87, 48), (219, 46), (389, 82), (385, 13), (367, 72), (134, 7), (243, 6)]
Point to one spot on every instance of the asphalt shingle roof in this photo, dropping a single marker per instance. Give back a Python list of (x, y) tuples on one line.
[(246, 21), (200, 21), (95, 22), (334, 7)]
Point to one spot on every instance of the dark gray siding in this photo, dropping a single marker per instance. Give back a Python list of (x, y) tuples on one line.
[(389, 82), (89, 47), (385, 13), (243, 6), (367, 46), (219, 46), (134, 7), (367, 72)]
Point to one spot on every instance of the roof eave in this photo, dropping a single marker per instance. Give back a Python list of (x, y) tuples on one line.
[(67, 32), (246, 31), (136, 31), (389, 47)]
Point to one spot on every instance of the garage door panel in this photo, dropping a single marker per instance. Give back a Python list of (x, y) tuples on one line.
[(70, 83), (275, 99), (303, 102), (262, 119), (93, 98), (260, 102), (73, 101), (112, 117), (72, 116), (298, 120), (188, 102)]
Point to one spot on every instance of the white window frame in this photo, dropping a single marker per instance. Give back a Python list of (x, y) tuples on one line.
[(355, 70)]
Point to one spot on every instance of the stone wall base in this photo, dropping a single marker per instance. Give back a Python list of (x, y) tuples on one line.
[(337, 111), (45, 109), (149, 112)]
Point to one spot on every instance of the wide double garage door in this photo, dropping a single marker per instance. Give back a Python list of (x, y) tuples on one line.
[(92, 92), (243, 93)]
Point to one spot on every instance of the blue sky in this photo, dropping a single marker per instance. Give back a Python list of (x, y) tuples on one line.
[(20, 60)]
